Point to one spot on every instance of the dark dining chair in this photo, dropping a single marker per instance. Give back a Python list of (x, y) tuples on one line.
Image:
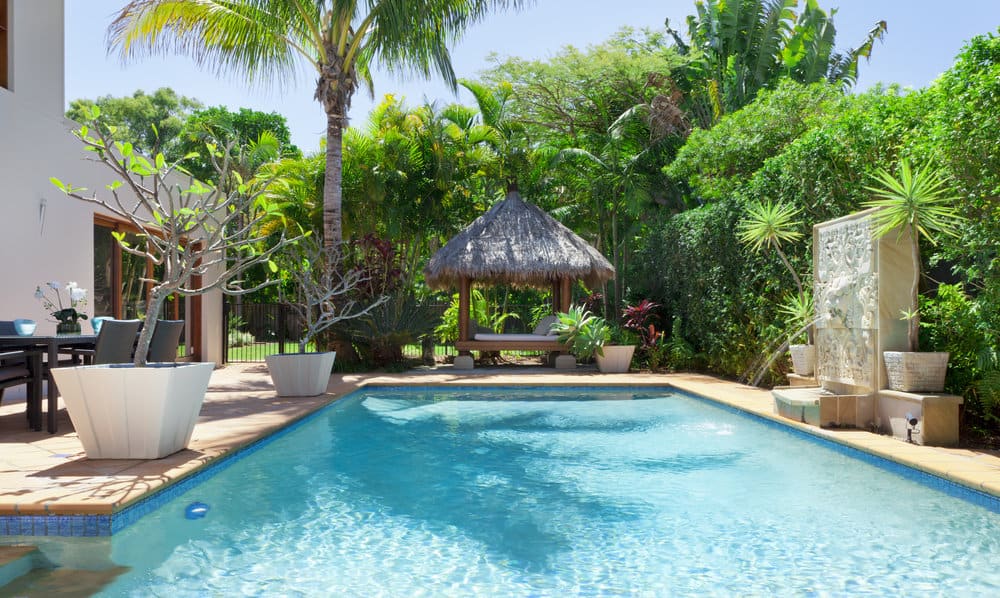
[(166, 339), (14, 370), (12, 363), (114, 343), (24, 367)]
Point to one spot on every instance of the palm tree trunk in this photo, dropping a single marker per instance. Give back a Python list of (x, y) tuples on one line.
[(913, 322), (332, 193)]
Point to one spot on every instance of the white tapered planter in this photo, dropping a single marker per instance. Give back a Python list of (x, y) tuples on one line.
[(616, 359), (124, 412), (300, 374), (803, 359)]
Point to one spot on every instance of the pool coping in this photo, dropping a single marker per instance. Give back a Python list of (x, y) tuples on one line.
[(951, 472)]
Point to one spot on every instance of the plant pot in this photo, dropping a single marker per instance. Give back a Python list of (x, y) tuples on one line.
[(124, 412), (300, 374), (803, 359), (68, 328), (616, 359), (909, 371)]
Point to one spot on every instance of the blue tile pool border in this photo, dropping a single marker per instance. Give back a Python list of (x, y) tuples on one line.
[(108, 525)]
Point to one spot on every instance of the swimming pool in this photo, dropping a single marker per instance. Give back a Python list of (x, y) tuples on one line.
[(551, 492)]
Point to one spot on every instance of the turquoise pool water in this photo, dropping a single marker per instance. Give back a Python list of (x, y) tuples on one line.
[(554, 493)]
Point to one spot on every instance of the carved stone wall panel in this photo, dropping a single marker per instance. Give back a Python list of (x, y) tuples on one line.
[(846, 280), (846, 299), (845, 355)]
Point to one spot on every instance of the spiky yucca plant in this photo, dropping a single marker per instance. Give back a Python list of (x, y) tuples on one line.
[(918, 201)]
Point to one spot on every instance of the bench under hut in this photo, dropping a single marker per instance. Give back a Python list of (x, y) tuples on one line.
[(515, 243)]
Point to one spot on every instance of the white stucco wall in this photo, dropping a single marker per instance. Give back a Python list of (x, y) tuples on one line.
[(36, 143), (34, 249), (36, 36)]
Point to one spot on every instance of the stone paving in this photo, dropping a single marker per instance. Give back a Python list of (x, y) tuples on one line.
[(42, 473)]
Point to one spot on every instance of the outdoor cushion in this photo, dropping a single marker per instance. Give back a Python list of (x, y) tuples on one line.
[(544, 326), (514, 337)]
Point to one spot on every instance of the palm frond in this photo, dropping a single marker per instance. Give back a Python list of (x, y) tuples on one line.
[(768, 224)]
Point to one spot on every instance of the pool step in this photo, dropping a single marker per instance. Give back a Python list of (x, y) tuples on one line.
[(24, 571), (49, 583), (16, 561)]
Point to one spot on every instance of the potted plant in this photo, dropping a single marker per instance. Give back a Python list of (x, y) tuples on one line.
[(769, 224), (916, 203), (67, 317), (615, 356), (203, 239), (581, 331), (801, 315), (321, 295)]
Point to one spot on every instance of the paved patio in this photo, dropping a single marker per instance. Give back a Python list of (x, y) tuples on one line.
[(49, 474)]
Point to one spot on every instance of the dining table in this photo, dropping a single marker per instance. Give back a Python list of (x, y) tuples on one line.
[(50, 345)]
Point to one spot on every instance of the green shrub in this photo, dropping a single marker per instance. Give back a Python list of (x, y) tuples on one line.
[(239, 338)]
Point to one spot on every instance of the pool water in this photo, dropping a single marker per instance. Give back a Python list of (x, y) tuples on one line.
[(553, 493)]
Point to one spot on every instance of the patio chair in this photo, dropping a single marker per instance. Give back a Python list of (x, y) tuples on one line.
[(12, 363), (23, 367), (14, 370), (166, 339), (114, 343)]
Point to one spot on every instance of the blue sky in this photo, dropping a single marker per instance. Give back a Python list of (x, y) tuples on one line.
[(922, 41)]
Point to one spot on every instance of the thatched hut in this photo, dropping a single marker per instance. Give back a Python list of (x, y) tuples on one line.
[(515, 243)]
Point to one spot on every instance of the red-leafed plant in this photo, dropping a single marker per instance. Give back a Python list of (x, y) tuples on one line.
[(639, 318)]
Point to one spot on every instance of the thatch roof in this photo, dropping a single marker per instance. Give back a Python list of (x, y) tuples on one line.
[(517, 243)]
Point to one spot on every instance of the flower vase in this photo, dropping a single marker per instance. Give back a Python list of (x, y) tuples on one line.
[(68, 328)]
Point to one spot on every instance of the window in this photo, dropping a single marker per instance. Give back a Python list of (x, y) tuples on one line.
[(4, 45), (118, 287)]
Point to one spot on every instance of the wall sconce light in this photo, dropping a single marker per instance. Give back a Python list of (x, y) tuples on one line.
[(41, 215)]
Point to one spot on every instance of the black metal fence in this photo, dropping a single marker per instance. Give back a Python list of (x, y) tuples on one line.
[(252, 331)]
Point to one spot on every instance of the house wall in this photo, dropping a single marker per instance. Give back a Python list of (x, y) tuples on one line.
[(45, 235), (36, 58)]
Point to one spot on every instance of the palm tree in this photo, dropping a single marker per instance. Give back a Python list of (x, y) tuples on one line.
[(341, 40), (919, 202), (769, 224)]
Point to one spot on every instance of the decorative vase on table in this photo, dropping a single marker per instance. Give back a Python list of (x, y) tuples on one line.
[(68, 328)]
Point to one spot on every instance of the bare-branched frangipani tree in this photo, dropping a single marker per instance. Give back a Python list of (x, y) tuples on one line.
[(323, 293), (199, 237)]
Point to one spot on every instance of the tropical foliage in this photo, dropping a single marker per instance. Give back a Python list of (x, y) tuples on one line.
[(739, 47), (696, 161), (919, 204), (265, 40)]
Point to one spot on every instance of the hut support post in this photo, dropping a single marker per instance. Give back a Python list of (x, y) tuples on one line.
[(565, 293), (463, 309), (464, 360)]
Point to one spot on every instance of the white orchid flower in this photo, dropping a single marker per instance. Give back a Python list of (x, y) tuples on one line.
[(38, 293), (77, 294), (55, 285)]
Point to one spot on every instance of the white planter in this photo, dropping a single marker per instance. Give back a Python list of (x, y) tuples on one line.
[(124, 412), (803, 359), (909, 371), (300, 374), (616, 359)]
